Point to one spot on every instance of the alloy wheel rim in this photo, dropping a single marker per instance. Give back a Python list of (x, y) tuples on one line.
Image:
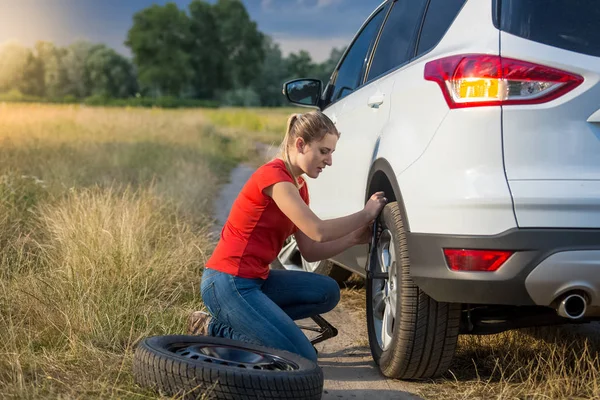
[(309, 266), (291, 259), (385, 291)]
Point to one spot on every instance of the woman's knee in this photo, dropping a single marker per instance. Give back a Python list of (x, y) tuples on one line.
[(332, 293)]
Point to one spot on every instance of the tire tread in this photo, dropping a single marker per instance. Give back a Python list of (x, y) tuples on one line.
[(424, 341)]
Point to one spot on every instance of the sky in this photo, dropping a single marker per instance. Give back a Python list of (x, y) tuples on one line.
[(312, 25)]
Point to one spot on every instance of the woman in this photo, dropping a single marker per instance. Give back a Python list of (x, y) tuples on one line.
[(249, 302)]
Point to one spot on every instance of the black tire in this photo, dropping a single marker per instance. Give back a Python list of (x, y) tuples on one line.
[(157, 365), (424, 332)]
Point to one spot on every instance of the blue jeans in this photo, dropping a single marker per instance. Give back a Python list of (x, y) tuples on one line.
[(263, 311)]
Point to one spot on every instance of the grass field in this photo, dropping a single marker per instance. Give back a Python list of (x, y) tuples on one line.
[(104, 230), (104, 220)]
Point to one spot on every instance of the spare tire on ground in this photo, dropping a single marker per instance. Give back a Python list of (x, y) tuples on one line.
[(195, 367)]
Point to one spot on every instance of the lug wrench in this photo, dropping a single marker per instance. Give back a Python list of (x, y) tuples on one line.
[(370, 267), (328, 331)]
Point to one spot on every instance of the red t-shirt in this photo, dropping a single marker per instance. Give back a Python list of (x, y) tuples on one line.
[(256, 228)]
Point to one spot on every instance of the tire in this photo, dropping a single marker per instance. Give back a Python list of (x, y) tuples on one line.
[(290, 258), (411, 336), (176, 366)]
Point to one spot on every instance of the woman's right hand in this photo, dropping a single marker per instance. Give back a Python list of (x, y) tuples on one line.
[(375, 205)]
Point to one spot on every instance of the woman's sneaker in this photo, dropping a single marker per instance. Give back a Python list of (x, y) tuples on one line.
[(198, 323)]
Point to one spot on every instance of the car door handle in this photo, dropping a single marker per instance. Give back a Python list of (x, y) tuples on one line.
[(375, 101)]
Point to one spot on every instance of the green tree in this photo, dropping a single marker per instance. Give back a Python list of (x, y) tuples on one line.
[(110, 74), (74, 63), (207, 55), (242, 43), (300, 65), (33, 77), (272, 75), (55, 74), (159, 41), (14, 59)]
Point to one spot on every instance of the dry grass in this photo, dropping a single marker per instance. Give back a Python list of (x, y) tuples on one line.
[(112, 268), (104, 220), (353, 297), (542, 363)]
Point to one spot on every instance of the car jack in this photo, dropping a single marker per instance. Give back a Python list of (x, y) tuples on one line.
[(326, 330)]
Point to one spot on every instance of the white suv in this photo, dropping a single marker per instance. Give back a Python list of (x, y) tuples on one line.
[(480, 120)]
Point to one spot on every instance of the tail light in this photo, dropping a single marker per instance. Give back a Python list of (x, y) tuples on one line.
[(476, 260), (474, 80)]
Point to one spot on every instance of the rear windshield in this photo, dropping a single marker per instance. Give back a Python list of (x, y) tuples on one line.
[(568, 24)]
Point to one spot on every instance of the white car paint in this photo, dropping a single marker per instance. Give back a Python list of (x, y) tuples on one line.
[(552, 150), (470, 171)]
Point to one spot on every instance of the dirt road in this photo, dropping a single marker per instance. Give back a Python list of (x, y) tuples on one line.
[(350, 372)]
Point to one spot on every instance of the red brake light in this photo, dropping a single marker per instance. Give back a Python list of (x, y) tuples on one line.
[(474, 80), (476, 260)]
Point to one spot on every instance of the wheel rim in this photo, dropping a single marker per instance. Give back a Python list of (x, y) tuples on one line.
[(233, 356), (385, 291), (291, 259), (310, 266)]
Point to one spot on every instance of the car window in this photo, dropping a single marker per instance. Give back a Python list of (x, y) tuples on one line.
[(568, 24), (439, 17), (397, 42), (350, 71)]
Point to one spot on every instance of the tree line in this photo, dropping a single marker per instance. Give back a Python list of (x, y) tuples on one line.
[(211, 52)]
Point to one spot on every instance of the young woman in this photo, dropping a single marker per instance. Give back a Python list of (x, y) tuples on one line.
[(249, 302)]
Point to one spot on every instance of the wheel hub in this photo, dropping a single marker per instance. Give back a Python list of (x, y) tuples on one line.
[(291, 259), (384, 293), (233, 356)]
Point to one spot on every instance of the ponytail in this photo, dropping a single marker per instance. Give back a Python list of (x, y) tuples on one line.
[(284, 150)]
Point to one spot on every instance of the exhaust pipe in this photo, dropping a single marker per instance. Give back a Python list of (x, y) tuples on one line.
[(572, 306)]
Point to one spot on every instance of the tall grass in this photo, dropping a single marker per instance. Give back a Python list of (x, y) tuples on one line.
[(112, 269), (104, 230)]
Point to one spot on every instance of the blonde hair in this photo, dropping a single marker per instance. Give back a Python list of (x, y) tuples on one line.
[(311, 126)]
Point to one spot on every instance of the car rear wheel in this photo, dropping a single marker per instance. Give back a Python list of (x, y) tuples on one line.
[(290, 258), (411, 336)]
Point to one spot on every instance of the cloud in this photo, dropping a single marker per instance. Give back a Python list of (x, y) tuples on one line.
[(319, 4), (326, 3), (303, 4), (319, 48)]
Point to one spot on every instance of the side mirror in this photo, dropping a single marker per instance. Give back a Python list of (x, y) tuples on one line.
[(304, 92)]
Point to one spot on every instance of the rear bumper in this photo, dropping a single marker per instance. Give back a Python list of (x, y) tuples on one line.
[(547, 263)]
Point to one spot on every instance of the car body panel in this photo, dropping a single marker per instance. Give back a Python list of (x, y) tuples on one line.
[(552, 150)]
